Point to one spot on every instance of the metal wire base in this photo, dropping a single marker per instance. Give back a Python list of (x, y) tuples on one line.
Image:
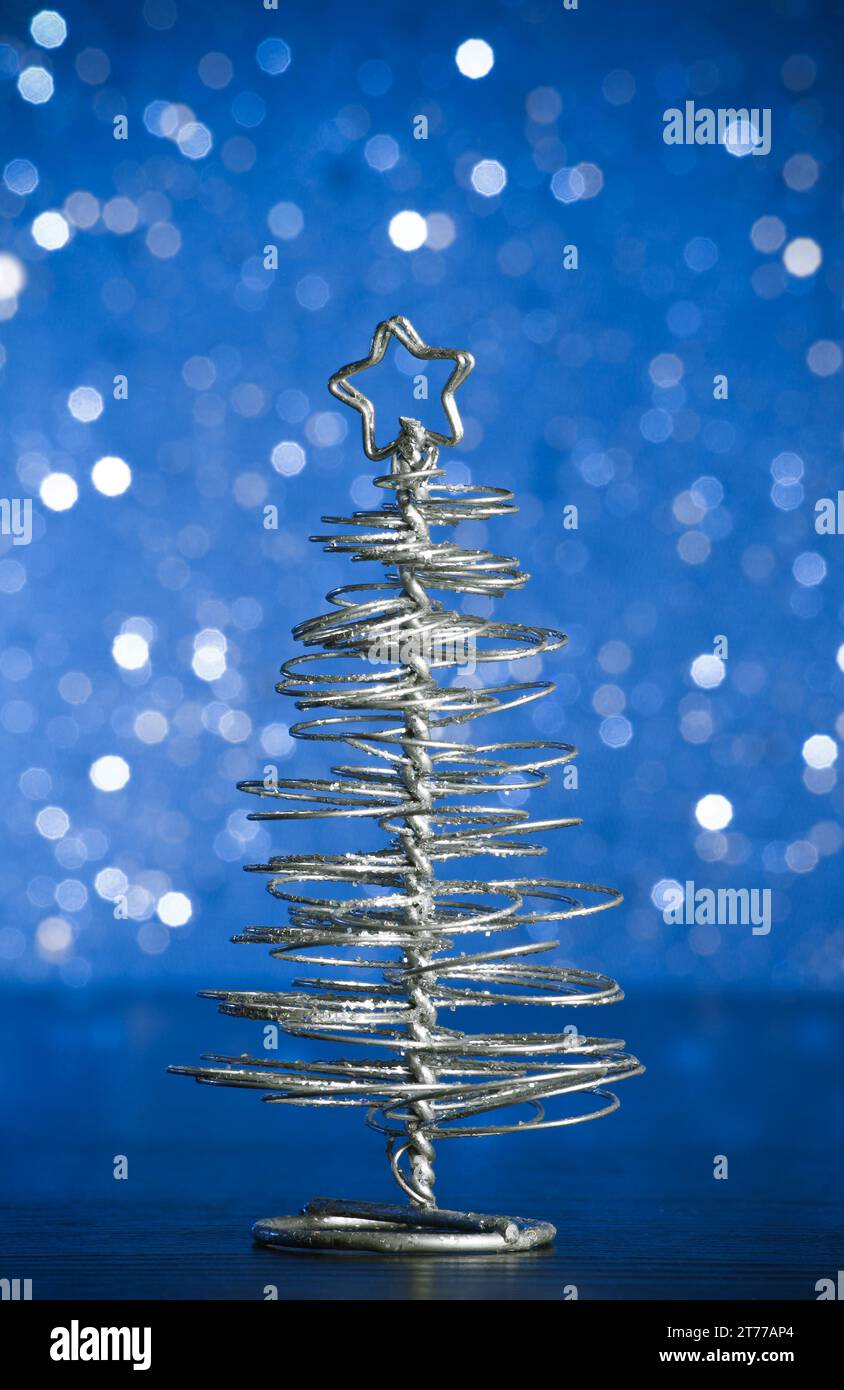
[(396, 1230)]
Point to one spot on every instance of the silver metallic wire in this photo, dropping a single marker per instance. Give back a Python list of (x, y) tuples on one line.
[(372, 686)]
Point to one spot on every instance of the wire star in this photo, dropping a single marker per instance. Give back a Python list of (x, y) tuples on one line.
[(403, 331)]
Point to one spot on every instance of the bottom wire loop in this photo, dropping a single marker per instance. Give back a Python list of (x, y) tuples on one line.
[(389, 1229)]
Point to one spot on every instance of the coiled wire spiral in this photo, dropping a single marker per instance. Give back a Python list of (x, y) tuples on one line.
[(424, 1082)]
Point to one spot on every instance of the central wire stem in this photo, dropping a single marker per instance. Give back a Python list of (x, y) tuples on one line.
[(411, 458)]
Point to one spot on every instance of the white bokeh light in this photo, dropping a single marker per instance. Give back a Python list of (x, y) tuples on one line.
[(708, 670), (174, 909), (54, 936), (130, 650), (408, 230), (52, 822), (209, 654), (111, 476), (48, 29), (194, 140), (109, 773), (12, 276), (58, 491), (820, 751), (85, 403), (713, 812), (740, 138), (474, 58), (35, 85), (666, 893), (110, 883), (50, 231), (288, 458), (802, 256), (489, 177)]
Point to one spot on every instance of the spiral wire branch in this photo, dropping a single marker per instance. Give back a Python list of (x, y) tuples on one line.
[(385, 643)]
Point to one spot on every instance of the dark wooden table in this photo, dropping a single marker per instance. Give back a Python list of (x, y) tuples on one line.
[(618, 1250), (638, 1210)]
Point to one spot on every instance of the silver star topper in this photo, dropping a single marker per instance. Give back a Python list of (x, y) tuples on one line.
[(403, 331)]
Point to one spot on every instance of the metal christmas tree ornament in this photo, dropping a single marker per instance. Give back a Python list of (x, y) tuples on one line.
[(397, 938)]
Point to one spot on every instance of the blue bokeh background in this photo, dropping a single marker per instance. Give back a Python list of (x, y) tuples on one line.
[(593, 387)]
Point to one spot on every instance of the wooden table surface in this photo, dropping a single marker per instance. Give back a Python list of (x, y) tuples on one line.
[(638, 1210), (618, 1250)]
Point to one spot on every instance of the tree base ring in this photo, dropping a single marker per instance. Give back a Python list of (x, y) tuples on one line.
[(385, 1229)]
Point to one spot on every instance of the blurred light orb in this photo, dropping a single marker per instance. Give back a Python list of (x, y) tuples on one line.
[(194, 140), (215, 71), (209, 656), (71, 895), (568, 185), (708, 670), (740, 138), (700, 254), (474, 58), (110, 883), (12, 276), (312, 292), (85, 403), (285, 220), (20, 176), (824, 358), (199, 373), (92, 66), (408, 230), (619, 87), (164, 240), (35, 85), (48, 29), (52, 822), (381, 153), (50, 231), (109, 773), (787, 468), (130, 650), (150, 726), (839, 657), (120, 215), (273, 56), (667, 893), (155, 116), (616, 731), (58, 491), (111, 476), (713, 812), (288, 458), (488, 177), (174, 909), (800, 172), (799, 72), (249, 109), (802, 256), (820, 751), (767, 234), (809, 569), (54, 936), (544, 105), (707, 492), (441, 231)]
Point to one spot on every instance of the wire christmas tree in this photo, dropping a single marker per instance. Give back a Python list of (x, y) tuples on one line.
[(419, 778)]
